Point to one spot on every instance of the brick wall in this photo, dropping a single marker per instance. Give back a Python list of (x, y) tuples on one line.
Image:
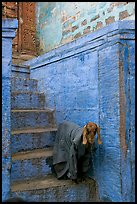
[(62, 22), (9, 9)]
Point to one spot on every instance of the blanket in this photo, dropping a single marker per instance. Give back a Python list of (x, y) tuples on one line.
[(68, 150)]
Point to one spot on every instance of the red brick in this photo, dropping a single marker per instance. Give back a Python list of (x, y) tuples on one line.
[(65, 32), (84, 22), (9, 9), (87, 30), (74, 28), (123, 15), (99, 25), (110, 20), (77, 35)]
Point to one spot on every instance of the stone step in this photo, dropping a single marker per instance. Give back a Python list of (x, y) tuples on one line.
[(50, 189), (19, 58), (23, 84), (27, 100), (31, 164), (20, 71), (32, 118), (34, 138)]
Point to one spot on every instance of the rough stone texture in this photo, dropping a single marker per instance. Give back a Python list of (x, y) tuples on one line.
[(32, 139), (53, 18), (20, 71), (9, 9), (87, 80), (8, 33), (27, 100), (109, 121), (61, 190), (32, 118), (31, 164), (21, 84)]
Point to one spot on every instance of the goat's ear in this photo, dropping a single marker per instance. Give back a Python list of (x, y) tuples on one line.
[(84, 135), (98, 132)]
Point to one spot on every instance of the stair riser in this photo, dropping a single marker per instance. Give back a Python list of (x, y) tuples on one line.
[(27, 101), (20, 84), (31, 168), (24, 142), (20, 74), (20, 71), (73, 193), (31, 119)]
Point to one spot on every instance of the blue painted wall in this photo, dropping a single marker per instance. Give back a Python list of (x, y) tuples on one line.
[(8, 33), (92, 79)]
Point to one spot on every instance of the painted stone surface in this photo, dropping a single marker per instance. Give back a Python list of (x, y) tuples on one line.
[(8, 33), (91, 79)]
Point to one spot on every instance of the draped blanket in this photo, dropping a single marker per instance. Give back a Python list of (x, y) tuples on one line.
[(69, 154)]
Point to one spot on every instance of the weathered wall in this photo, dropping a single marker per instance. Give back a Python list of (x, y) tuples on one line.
[(92, 78), (10, 10), (8, 33), (62, 22), (117, 118)]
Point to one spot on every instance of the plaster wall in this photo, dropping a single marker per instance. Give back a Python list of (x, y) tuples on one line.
[(62, 22), (8, 33), (92, 79)]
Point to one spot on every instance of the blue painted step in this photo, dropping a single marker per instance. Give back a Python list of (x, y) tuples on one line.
[(31, 164), (20, 71), (34, 138), (27, 100), (50, 189), (23, 84), (32, 118)]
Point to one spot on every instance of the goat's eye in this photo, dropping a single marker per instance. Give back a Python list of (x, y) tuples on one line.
[(88, 131)]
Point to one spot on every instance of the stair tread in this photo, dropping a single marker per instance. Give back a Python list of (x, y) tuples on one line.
[(33, 154), (43, 183), (23, 92), (21, 65), (33, 130), (32, 110), (23, 79)]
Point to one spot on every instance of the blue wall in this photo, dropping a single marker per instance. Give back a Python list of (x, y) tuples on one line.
[(92, 79), (71, 87), (8, 33)]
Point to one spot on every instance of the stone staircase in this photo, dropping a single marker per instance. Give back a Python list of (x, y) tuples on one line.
[(33, 131)]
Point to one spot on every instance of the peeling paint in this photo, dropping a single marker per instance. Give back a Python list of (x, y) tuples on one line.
[(60, 15)]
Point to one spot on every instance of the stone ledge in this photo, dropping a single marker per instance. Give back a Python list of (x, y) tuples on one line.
[(50, 189), (8, 27)]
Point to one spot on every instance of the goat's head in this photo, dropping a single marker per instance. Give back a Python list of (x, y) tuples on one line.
[(89, 132)]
